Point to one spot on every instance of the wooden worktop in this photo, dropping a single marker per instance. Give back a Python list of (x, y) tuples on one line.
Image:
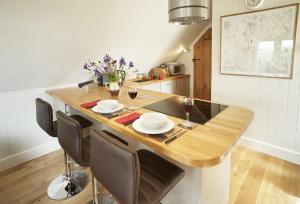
[(203, 146), (131, 82)]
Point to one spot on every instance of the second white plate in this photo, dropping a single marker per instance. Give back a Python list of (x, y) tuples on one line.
[(137, 125), (97, 109)]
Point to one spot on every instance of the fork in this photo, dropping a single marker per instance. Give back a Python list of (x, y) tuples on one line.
[(177, 135)]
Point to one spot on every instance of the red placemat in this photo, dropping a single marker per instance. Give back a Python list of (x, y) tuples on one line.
[(128, 119), (89, 104)]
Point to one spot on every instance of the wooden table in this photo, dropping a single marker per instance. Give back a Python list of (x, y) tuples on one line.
[(207, 145)]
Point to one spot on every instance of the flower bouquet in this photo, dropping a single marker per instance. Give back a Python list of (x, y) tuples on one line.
[(109, 72)]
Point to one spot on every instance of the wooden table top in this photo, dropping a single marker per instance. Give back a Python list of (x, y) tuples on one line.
[(203, 146)]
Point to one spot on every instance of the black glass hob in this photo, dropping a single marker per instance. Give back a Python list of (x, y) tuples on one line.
[(201, 113)]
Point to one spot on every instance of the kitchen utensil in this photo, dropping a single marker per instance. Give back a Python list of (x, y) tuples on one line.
[(169, 125), (108, 104), (153, 120), (175, 137), (105, 111)]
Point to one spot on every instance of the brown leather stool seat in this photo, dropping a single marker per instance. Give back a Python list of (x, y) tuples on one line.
[(44, 117), (131, 177), (70, 138), (84, 123), (86, 143), (157, 177)]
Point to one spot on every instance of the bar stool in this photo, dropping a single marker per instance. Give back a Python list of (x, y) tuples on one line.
[(69, 132), (60, 187), (139, 177)]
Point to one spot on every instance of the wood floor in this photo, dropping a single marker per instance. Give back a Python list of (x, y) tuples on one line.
[(255, 178)]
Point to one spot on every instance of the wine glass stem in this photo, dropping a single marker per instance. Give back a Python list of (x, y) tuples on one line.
[(187, 117), (132, 103)]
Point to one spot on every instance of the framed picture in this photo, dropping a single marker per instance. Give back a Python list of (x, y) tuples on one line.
[(259, 43)]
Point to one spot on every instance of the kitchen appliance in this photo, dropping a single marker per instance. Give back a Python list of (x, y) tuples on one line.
[(175, 68), (201, 113), (160, 71), (188, 12)]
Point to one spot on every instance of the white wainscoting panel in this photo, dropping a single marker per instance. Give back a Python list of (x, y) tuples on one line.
[(21, 139), (275, 102)]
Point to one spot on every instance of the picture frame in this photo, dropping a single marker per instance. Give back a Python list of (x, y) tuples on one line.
[(259, 43)]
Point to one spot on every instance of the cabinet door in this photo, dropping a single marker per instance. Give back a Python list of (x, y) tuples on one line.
[(182, 87), (152, 87), (168, 87)]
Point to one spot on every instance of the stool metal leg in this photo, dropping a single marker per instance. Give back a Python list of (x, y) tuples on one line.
[(105, 198), (66, 109), (68, 184), (95, 190)]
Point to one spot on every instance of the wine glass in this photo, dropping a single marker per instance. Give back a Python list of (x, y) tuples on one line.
[(187, 104), (140, 76), (132, 92)]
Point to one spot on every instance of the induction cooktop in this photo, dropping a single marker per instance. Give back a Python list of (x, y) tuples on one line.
[(201, 113)]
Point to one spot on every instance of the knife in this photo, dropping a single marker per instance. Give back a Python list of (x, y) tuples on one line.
[(117, 114), (175, 137), (80, 85)]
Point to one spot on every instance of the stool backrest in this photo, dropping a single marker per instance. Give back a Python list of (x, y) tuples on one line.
[(70, 136), (115, 167), (44, 116)]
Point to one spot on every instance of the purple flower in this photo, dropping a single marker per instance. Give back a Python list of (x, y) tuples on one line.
[(96, 71), (106, 58), (131, 64), (86, 66), (122, 62), (105, 69)]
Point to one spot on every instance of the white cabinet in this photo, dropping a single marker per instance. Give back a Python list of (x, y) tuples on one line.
[(178, 86), (168, 87), (152, 87)]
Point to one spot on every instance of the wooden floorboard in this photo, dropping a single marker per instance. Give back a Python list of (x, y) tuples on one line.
[(255, 178)]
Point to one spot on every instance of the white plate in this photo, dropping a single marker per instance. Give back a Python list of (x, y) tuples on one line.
[(97, 109), (137, 125)]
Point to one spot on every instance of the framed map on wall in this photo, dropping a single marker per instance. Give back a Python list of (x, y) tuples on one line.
[(259, 43)]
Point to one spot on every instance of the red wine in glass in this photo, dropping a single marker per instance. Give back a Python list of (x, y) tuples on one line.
[(187, 104), (132, 94), (187, 108)]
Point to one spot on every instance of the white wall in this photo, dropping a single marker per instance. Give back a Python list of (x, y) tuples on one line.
[(276, 102), (45, 43)]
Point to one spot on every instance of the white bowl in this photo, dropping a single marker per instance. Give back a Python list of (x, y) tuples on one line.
[(153, 120), (108, 104)]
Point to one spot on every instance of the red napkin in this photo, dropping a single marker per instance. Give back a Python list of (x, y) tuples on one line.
[(128, 119), (89, 104)]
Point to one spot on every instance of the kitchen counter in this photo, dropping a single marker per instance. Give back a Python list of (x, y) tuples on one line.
[(131, 82), (205, 145), (178, 85), (203, 152)]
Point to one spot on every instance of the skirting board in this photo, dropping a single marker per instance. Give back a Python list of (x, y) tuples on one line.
[(28, 155), (270, 149)]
